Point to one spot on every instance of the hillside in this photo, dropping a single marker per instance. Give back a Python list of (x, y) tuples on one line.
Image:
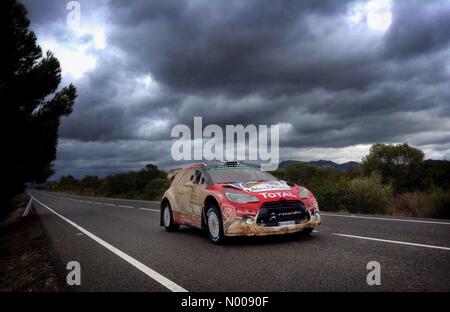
[(344, 167)]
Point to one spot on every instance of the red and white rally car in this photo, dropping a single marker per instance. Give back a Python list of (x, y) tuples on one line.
[(232, 199)]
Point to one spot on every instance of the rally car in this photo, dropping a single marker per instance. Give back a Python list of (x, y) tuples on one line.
[(233, 199)]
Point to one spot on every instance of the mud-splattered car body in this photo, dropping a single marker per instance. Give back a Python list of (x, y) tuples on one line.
[(261, 207)]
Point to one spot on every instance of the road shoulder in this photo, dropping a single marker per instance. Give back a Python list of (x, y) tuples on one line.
[(25, 255)]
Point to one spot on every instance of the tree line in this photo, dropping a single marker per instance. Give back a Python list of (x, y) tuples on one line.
[(391, 179), (146, 184)]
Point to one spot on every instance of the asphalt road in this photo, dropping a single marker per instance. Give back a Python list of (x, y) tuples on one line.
[(121, 247)]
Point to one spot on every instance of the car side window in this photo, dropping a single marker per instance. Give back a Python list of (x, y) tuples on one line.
[(198, 176)]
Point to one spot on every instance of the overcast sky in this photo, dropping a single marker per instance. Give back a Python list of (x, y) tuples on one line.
[(337, 76)]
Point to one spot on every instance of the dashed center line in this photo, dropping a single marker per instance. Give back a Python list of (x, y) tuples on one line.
[(148, 209), (382, 218), (108, 204), (392, 241)]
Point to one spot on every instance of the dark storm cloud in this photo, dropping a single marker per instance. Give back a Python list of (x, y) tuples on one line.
[(48, 12), (97, 158), (113, 105), (43, 13), (235, 47), (98, 117), (418, 27), (266, 47), (302, 64)]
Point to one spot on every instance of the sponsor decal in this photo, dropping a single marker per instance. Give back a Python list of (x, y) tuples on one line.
[(266, 186), (246, 212), (195, 198), (278, 195), (196, 209), (228, 212), (262, 186), (290, 213)]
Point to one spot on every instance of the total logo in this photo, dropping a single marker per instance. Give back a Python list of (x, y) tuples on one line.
[(278, 194)]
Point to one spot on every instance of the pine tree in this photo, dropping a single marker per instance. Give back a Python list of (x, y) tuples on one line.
[(31, 104)]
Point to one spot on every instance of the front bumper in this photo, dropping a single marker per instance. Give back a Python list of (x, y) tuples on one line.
[(237, 227)]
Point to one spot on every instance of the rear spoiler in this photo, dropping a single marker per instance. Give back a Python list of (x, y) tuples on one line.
[(172, 173)]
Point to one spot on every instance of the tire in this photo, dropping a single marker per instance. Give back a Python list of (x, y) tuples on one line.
[(214, 224), (307, 231), (167, 219)]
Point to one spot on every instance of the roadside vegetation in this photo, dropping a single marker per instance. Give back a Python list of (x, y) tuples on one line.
[(146, 184), (26, 254), (392, 179), (32, 104)]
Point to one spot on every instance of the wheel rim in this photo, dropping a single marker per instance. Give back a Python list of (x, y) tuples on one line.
[(166, 216), (213, 224)]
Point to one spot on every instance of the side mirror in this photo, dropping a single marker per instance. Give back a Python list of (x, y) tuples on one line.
[(288, 182)]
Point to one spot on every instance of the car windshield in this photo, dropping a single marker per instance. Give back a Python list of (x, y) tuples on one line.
[(238, 174)]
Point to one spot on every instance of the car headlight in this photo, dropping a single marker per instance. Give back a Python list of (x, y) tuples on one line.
[(239, 197), (303, 192)]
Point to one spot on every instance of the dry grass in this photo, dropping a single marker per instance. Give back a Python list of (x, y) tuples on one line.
[(416, 204)]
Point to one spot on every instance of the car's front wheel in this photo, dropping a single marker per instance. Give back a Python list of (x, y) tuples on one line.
[(214, 224), (306, 231), (167, 218)]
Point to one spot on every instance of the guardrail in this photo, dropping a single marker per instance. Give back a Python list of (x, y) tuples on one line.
[(28, 208)]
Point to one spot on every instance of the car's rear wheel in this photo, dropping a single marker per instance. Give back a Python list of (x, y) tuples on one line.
[(167, 218), (214, 224)]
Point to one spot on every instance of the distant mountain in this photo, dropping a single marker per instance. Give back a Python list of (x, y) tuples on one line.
[(322, 163)]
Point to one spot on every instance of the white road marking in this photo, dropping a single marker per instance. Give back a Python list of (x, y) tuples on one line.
[(106, 204), (99, 198), (392, 241), (137, 264), (148, 209), (125, 206), (103, 203), (385, 219)]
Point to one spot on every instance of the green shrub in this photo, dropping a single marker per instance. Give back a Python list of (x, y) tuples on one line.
[(441, 203), (368, 195), (331, 194), (156, 188)]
